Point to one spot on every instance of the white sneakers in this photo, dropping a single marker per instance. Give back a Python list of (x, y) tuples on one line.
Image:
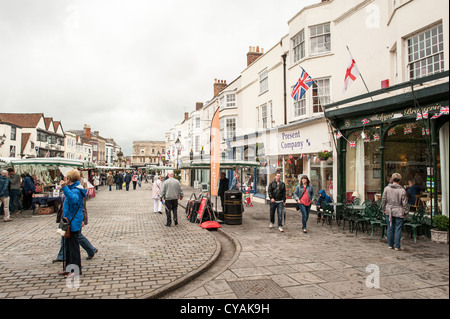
[(279, 227)]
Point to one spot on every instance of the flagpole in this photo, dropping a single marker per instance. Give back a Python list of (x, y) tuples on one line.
[(362, 78)]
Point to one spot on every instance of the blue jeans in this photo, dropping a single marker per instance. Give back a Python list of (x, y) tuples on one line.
[(279, 208), (14, 200), (305, 214), (83, 241), (394, 232)]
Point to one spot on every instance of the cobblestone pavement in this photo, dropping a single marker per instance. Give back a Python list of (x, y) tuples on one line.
[(324, 263), (137, 255)]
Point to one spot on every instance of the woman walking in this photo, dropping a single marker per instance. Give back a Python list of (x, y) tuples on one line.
[(304, 195), (156, 191), (394, 204), (73, 212), (109, 180)]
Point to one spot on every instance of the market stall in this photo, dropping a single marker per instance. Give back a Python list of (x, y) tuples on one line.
[(46, 174)]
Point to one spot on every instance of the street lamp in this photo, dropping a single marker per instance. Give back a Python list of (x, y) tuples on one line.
[(178, 145)]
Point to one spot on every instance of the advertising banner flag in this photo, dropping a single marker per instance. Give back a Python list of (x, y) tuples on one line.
[(215, 153)]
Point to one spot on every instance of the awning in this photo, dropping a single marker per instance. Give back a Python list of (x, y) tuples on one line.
[(52, 161), (223, 165)]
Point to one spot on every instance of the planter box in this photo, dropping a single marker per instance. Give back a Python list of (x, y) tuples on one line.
[(438, 236)]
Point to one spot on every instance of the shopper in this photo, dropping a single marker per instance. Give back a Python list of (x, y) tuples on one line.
[(134, 179), (73, 211), (28, 189), (304, 195), (156, 191), (127, 181), (119, 181), (96, 179), (84, 242), (14, 191), (109, 180), (277, 196), (223, 187), (394, 204), (4, 195), (236, 182), (171, 192)]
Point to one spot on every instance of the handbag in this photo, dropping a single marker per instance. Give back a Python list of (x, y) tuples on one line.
[(64, 226)]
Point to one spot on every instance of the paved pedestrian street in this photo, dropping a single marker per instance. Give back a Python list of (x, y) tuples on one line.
[(138, 257), (137, 254)]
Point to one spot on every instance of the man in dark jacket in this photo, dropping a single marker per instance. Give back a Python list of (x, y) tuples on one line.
[(127, 181), (28, 190), (223, 187), (4, 194), (277, 195)]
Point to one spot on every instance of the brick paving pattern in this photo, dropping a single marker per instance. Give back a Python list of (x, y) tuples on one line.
[(325, 263), (137, 253)]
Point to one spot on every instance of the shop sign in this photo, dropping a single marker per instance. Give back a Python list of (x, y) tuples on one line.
[(408, 112), (311, 139)]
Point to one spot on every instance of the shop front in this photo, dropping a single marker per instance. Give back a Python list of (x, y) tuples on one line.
[(404, 133), (299, 150)]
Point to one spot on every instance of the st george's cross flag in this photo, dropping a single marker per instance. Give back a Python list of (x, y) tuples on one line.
[(302, 85), (351, 74)]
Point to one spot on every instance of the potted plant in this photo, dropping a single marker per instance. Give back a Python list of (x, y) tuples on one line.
[(324, 155), (439, 234)]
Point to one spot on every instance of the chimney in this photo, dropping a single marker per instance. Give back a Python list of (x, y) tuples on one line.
[(198, 106), (219, 86), (253, 54), (186, 116), (87, 130)]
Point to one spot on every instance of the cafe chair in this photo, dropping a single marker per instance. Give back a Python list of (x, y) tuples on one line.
[(418, 203), (416, 224)]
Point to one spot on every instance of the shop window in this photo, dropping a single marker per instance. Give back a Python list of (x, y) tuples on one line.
[(321, 176), (293, 167)]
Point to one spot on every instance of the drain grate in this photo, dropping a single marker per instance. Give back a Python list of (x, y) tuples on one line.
[(258, 289)]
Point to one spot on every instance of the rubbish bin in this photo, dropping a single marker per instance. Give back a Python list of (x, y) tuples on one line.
[(233, 208)]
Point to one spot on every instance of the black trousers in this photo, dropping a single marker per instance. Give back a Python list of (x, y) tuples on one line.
[(72, 247), (171, 206)]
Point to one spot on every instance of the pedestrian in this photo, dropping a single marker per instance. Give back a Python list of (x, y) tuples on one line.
[(109, 180), (84, 242), (277, 196), (304, 195), (96, 179), (223, 187), (236, 182), (127, 181), (73, 211), (134, 179), (156, 191), (394, 205), (28, 189), (119, 181), (4, 195), (171, 192), (14, 191)]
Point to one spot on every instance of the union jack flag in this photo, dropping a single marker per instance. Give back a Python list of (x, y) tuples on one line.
[(444, 110), (352, 144), (419, 116), (365, 121), (376, 137), (437, 115), (303, 84), (425, 131), (425, 115), (339, 135), (391, 132), (367, 140), (408, 130)]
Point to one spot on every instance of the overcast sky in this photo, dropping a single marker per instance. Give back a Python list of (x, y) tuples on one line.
[(128, 68)]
